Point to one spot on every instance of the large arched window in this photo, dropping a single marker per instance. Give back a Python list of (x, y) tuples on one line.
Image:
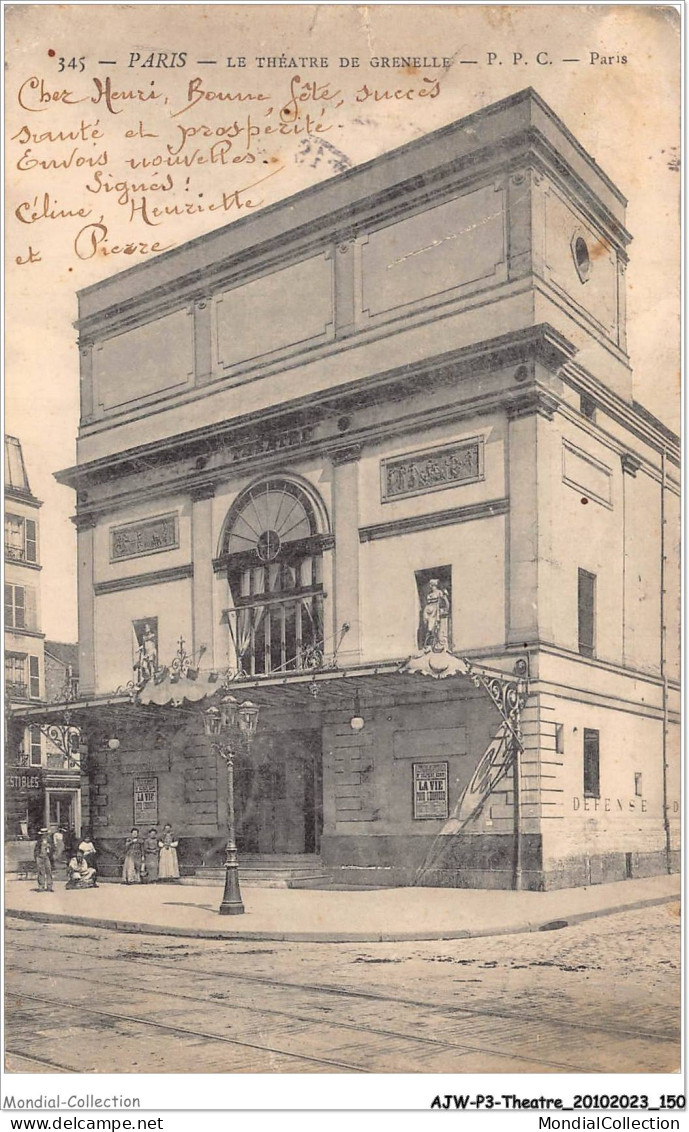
[(272, 550)]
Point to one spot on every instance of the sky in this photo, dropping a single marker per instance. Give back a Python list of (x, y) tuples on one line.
[(69, 66)]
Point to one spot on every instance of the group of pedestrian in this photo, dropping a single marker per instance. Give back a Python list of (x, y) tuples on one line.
[(152, 858), (147, 859), (80, 855)]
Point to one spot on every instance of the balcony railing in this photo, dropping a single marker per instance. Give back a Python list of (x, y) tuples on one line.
[(16, 690), (278, 634), (17, 553)]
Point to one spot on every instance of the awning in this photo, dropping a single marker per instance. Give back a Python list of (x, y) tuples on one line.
[(178, 690)]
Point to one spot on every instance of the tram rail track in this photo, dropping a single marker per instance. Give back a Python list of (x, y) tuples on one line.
[(344, 992), (187, 1031), (440, 1044)]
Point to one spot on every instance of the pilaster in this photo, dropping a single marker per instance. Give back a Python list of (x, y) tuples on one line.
[(529, 535), (345, 462), (86, 613), (203, 577), (202, 340)]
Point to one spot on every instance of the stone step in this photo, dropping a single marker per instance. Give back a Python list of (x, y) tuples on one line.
[(248, 880), (268, 871)]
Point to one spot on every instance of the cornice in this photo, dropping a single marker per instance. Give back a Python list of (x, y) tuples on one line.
[(631, 416), (630, 463), (346, 454), (85, 521), (202, 491), (596, 430), (20, 562), (533, 401), (433, 519), (19, 496), (34, 633), (541, 343), (271, 365), (136, 581), (591, 205)]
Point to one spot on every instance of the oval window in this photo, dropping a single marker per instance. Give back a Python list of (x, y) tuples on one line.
[(582, 259)]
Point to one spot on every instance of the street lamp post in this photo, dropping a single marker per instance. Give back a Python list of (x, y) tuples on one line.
[(230, 725)]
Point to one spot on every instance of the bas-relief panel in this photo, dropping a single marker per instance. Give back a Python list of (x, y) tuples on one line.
[(451, 246), (432, 469), (597, 292), (138, 363), (107, 567), (278, 310)]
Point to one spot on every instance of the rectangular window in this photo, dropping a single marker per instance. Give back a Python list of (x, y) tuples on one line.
[(586, 605), (35, 745), (559, 738), (20, 607), (591, 763), (15, 676), (31, 540), (21, 538), (587, 407), (34, 679)]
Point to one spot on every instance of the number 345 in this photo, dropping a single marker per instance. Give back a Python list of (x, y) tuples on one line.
[(72, 64)]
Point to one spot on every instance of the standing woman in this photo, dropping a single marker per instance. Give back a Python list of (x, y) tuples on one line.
[(168, 868), (87, 848), (151, 856), (133, 853)]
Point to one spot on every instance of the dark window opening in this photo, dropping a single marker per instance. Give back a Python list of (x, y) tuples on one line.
[(582, 259), (34, 678), (35, 745), (587, 407), (586, 605), (15, 676), (559, 738), (591, 763)]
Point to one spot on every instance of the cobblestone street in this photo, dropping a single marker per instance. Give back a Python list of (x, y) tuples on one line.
[(601, 996)]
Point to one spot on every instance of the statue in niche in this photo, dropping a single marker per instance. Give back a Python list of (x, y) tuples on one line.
[(435, 617), (147, 660)]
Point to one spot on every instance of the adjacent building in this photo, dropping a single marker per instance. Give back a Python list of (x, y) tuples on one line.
[(390, 416), (42, 786)]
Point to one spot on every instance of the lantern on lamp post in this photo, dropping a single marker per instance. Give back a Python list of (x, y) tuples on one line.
[(229, 726)]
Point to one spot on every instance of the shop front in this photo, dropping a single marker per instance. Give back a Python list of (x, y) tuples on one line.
[(24, 802)]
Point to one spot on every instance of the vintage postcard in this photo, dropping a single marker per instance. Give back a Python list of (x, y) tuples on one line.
[(342, 574)]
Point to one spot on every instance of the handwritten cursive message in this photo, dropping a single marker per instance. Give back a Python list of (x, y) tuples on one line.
[(110, 167)]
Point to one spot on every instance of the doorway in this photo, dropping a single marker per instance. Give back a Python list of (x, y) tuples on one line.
[(62, 810), (278, 795)]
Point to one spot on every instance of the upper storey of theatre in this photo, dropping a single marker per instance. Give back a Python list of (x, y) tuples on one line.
[(496, 223)]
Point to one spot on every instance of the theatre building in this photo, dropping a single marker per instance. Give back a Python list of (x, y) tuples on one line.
[(370, 458)]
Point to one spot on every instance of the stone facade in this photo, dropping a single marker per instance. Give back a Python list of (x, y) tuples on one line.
[(421, 366)]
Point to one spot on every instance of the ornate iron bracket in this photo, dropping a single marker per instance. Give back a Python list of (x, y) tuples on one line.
[(508, 695), (64, 735)]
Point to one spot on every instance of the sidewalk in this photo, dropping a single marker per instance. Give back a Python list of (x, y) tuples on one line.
[(381, 915)]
